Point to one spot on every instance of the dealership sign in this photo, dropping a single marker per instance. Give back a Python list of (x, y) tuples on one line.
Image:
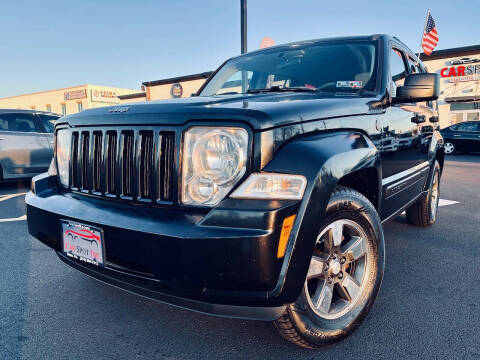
[(104, 96), (467, 71), (75, 94)]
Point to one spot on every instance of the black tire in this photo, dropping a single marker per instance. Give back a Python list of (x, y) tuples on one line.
[(424, 213), (449, 147), (301, 323)]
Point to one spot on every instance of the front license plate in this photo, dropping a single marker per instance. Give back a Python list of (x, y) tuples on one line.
[(83, 242)]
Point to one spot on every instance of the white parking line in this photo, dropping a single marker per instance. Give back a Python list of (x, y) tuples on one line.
[(9, 196), (20, 218), (443, 202)]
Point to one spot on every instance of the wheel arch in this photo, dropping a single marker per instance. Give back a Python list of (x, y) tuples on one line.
[(327, 160), (436, 153)]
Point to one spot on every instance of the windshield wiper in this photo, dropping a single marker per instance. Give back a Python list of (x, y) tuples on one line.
[(280, 89), (228, 93)]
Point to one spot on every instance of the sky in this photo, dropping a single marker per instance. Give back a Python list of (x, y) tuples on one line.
[(56, 43)]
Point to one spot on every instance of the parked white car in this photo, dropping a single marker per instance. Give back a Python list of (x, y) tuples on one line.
[(26, 142)]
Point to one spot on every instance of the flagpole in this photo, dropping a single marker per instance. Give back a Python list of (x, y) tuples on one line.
[(423, 32)]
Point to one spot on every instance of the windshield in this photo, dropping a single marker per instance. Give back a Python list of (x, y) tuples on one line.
[(330, 67)]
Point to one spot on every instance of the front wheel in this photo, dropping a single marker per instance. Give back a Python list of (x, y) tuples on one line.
[(344, 277)]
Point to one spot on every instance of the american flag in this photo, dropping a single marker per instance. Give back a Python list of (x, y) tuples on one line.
[(430, 36)]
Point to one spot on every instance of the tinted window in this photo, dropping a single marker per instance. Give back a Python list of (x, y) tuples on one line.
[(17, 122), (48, 121), (397, 67), (328, 67), (467, 127)]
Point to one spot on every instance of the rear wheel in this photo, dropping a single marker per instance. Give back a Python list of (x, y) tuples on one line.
[(449, 147), (424, 213), (344, 276)]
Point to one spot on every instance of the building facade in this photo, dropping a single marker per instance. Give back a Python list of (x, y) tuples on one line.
[(67, 100), (172, 88), (459, 70)]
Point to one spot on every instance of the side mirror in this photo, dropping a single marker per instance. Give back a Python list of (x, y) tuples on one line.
[(419, 87)]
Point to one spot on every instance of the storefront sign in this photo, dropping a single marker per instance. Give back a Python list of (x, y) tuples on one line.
[(465, 78), (104, 96), (462, 73), (75, 94)]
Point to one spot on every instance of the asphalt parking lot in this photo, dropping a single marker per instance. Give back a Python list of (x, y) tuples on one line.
[(428, 306)]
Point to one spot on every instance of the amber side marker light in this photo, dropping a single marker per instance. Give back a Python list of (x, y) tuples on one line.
[(284, 235)]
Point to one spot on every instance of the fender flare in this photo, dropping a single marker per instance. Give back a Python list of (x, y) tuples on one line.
[(323, 158)]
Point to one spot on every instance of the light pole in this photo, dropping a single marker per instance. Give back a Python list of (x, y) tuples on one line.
[(243, 25), (243, 39)]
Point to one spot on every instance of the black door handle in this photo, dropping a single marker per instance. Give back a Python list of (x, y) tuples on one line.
[(418, 119)]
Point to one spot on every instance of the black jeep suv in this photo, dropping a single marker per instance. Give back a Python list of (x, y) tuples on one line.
[(263, 197)]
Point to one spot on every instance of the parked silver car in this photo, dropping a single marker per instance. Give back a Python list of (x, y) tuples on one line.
[(26, 142)]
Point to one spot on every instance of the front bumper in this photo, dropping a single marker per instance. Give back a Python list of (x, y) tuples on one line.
[(221, 262)]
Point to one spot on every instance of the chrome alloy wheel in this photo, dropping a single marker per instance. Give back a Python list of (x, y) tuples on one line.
[(448, 148), (338, 274), (435, 196)]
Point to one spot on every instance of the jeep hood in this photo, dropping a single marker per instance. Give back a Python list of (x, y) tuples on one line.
[(261, 111)]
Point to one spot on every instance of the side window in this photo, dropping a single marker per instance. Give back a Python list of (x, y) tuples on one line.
[(24, 123), (413, 66), (397, 67), (3, 124), (48, 121), (17, 122), (467, 127)]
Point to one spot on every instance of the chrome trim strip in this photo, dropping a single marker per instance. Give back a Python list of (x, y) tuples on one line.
[(405, 183), (404, 173)]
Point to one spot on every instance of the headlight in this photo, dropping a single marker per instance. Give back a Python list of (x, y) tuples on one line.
[(271, 186), (214, 159), (62, 153)]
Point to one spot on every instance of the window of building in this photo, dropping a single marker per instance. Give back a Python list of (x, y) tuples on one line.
[(17, 122), (64, 109), (48, 107), (80, 106), (471, 116), (48, 121), (456, 118), (397, 67), (465, 106)]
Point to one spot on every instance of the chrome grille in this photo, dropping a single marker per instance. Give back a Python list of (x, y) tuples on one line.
[(136, 165)]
